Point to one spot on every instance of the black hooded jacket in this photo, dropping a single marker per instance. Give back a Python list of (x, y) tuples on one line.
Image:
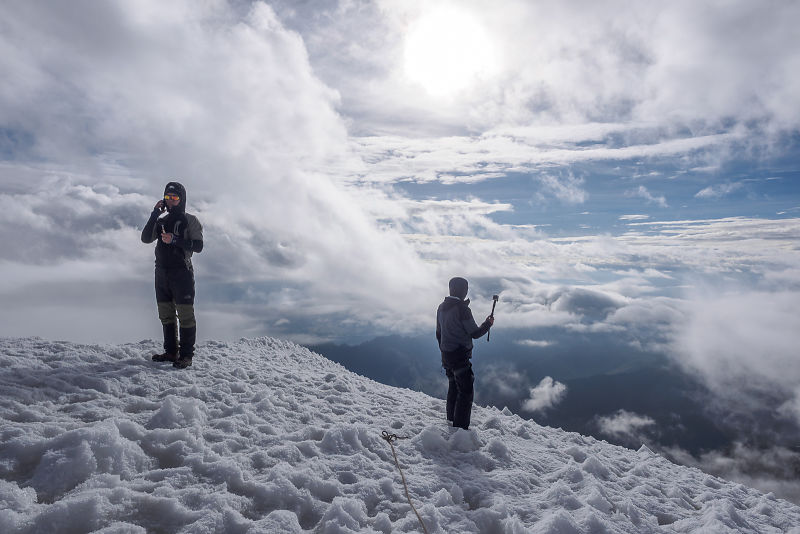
[(186, 229)]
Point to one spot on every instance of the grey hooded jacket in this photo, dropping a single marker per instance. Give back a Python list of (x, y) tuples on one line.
[(455, 330)]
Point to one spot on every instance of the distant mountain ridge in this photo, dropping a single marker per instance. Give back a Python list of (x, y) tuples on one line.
[(266, 436)]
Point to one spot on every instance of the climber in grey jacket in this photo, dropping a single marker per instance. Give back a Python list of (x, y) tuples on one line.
[(455, 330)]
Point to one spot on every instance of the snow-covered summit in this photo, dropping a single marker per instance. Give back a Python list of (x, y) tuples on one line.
[(266, 436)]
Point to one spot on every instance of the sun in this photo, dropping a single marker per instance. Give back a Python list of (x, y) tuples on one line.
[(448, 50)]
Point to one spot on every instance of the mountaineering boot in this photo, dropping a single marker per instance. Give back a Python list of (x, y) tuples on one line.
[(188, 336), (165, 357), (182, 363)]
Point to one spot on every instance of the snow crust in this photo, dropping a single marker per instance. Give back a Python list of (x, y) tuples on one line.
[(264, 436)]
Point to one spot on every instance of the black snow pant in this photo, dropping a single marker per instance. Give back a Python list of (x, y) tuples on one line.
[(460, 392), (175, 300)]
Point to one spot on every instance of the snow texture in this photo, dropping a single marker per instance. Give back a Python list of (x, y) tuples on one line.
[(263, 436)]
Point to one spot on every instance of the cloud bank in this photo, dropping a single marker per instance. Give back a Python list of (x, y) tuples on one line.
[(105, 109), (744, 345)]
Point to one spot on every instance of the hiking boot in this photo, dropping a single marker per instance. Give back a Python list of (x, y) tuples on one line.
[(182, 362), (165, 357)]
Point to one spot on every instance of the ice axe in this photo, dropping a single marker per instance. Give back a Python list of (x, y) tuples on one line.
[(495, 298)]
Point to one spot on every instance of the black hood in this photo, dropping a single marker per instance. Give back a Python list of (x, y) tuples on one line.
[(175, 188), (458, 287)]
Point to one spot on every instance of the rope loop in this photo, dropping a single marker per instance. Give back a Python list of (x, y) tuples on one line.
[(390, 439)]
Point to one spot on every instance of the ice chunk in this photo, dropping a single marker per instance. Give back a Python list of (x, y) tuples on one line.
[(498, 449), (74, 456), (343, 515), (596, 467), (598, 500), (558, 522), (465, 441), (178, 412), (577, 454), (431, 440)]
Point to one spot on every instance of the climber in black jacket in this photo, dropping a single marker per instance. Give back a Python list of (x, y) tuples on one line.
[(179, 235)]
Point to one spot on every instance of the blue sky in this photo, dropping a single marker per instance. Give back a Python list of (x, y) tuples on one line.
[(605, 167)]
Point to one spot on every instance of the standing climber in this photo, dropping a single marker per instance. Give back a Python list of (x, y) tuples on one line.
[(455, 330), (179, 234)]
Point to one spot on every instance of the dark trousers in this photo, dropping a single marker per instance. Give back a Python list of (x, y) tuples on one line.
[(175, 299), (460, 392)]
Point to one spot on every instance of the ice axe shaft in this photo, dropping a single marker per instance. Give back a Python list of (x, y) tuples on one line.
[(495, 298)]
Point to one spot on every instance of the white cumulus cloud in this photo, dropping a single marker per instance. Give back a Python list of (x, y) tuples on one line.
[(642, 192), (536, 343), (545, 395), (624, 424), (719, 190)]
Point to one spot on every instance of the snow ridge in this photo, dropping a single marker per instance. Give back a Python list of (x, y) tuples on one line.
[(264, 436)]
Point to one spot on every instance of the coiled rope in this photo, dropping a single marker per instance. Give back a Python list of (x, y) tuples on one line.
[(390, 439)]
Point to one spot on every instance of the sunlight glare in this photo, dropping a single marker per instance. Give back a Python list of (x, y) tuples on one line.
[(448, 50)]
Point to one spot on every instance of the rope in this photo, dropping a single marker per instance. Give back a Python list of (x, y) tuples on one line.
[(390, 439)]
